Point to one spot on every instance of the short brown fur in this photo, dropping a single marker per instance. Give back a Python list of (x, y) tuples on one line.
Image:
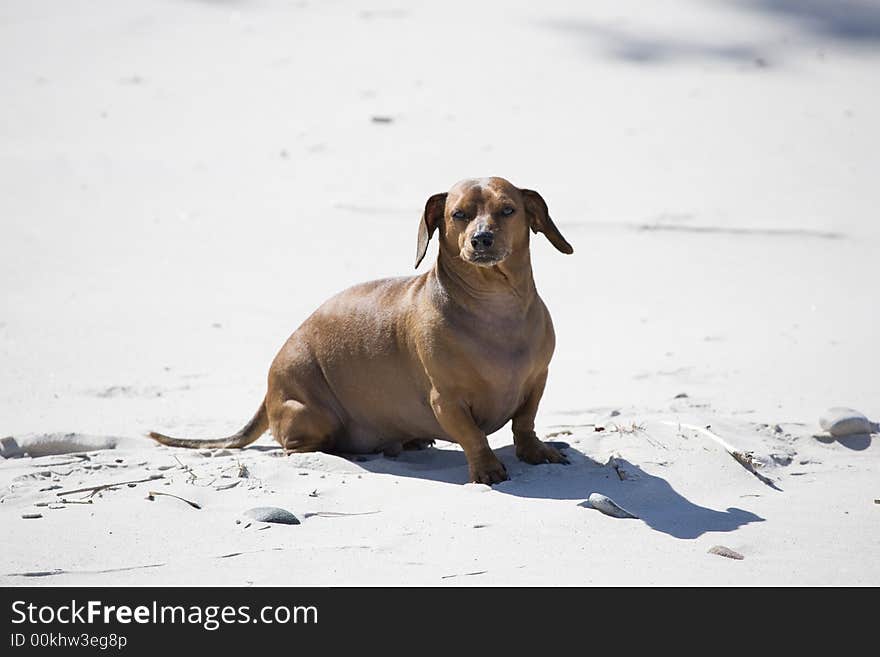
[(454, 353)]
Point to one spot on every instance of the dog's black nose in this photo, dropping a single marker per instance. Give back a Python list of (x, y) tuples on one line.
[(482, 240)]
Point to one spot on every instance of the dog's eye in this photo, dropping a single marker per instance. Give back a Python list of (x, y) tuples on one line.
[(508, 211), (458, 214)]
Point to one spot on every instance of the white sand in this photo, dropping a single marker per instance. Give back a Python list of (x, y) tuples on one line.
[(183, 182)]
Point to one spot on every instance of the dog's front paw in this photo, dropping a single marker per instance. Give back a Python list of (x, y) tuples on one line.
[(490, 471), (535, 452)]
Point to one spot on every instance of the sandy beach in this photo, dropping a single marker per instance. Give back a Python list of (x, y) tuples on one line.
[(186, 181)]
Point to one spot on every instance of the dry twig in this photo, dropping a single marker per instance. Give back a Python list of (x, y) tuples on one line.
[(745, 459), (96, 489), (151, 496)]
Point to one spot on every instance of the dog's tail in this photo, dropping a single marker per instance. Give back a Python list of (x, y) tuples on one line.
[(245, 436)]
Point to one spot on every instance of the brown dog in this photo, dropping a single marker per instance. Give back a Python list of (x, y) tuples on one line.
[(453, 354)]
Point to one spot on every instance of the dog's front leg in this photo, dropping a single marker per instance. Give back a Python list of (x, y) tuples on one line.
[(455, 419), (528, 447)]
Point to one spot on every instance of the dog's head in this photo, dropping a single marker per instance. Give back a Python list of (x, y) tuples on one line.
[(485, 220)]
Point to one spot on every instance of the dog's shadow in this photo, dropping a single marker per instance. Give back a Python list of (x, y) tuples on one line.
[(646, 495)]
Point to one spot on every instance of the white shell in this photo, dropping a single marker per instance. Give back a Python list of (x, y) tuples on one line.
[(724, 551), (840, 421), (608, 506)]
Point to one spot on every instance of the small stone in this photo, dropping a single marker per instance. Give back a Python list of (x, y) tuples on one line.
[(681, 395), (723, 551), (614, 413), (840, 421), (31, 516), (272, 514), (607, 506), (9, 448), (381, 119)]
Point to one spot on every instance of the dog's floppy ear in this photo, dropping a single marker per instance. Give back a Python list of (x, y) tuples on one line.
[(540, 221), (431, 218)]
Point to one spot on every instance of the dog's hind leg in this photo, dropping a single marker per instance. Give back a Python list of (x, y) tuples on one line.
[(301, 428)]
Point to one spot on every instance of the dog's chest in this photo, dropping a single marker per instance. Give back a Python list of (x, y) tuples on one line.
[(493, 360), (501, 380)]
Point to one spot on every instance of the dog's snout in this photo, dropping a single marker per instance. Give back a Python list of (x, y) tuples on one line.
[(483, 240)]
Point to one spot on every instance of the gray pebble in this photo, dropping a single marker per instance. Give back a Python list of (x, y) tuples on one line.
[(272, 514), (31, 516)]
